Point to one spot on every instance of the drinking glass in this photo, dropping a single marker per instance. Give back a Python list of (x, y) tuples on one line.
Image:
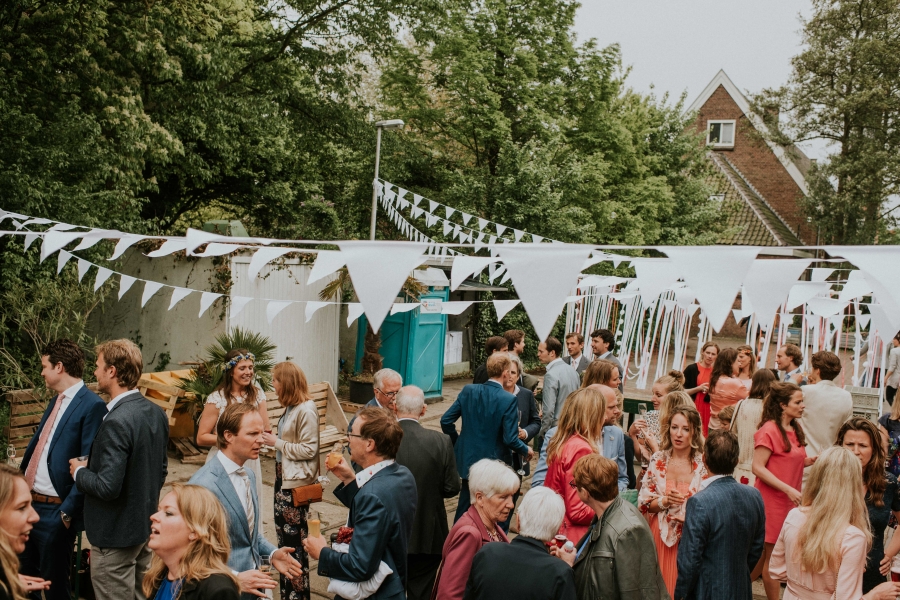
[(265, 564), (314, 524), (521, 471)]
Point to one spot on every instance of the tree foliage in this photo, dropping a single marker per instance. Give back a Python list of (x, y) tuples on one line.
[(844, 90)]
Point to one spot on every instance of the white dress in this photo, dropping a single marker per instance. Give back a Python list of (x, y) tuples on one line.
[(221, 403)]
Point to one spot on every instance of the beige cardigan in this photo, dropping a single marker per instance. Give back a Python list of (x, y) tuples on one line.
[(298, 442)]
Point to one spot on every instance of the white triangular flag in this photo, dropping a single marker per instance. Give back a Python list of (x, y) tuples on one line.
[(237, 304), (449, 211), (178, 294), (454, 308), (768, 283), (206, 300), (63, 227), (856, 286), (879, 265), (83, 267), (94, 237), (102, 275), (518, 235), (500, 229), (62, 260), (402, 307), (30, 239), (536, 239), (56, 240), (821, 274), (432, 206), (194, 238), (312, 307), (37, 221), (825, 307), (466, 217), (125, 283), (168, 247), (124, 244), (482, 223), (354, 311), (150, 288), (416, 199), (803, 291), (716, 282), (543, 278), (327, 262), (218, 249), (264, 256), (378, 271), (401, 192), (465, 266), (653, 276), (503, 307), (448, 227)]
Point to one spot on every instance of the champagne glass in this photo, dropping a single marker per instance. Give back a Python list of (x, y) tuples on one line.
[(332, 460), (521, 471), (314, 524)]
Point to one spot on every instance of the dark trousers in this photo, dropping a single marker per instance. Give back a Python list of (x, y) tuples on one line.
[(421, 570), (464, 502), (48, 552), (890, 393)]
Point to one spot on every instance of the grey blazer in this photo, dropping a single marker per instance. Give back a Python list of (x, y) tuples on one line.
[(125, 473), (583, 363), (560, 381)]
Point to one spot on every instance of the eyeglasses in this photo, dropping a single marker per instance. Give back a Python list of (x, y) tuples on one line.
[(388, 394), (356, 435)]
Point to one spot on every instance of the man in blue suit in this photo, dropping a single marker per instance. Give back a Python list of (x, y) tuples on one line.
[(239, 438), (724, 529), (613, 445), (382, 500), (490, 429), (66, 431)]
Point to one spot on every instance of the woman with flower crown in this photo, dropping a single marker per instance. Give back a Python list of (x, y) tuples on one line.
[(238, 385)]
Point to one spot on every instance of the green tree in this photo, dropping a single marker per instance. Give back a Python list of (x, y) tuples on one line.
[(843, 89)]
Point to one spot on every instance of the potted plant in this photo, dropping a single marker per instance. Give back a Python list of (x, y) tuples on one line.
[(361, 384)]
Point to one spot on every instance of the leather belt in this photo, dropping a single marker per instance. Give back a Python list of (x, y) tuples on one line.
[(46, 499)]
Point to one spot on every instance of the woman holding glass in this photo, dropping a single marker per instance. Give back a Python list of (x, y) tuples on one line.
[(674, 474), (645, 430), (580, 427), (296, 465), (725, 389), (696, 381)]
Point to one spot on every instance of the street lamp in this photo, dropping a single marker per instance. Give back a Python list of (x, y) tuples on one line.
[(391, 124)]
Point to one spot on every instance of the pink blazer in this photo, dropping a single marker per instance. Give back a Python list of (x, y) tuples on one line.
[(559, 473), (466, 538)]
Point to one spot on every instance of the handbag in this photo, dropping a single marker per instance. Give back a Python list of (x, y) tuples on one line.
[(307, 494)]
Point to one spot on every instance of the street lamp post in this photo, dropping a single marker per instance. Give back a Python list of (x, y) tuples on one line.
[(391, 124)]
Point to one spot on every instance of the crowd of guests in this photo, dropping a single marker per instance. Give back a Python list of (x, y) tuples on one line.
[(745, 473)]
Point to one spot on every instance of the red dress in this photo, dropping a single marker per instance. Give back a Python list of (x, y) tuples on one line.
[(559, 473), (700, 399), (787, 467)]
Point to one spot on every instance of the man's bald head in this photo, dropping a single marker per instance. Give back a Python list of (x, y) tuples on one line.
[(613, 410)]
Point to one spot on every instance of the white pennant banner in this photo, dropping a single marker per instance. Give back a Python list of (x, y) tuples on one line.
[(83, 267), (465, 266), (402, 307), (653, 277), (312, 307), (168, 247), (125, 283), (264, 256), (206, 300), (178, 294), (62, 260), (503, 307), (768, 284), (454, 308), (56, 240), (102, 275), (274, 307), (150, 288), (354, 311), (237, 305), (327, 262), (124, 244)]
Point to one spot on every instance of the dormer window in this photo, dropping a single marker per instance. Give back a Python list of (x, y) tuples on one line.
[(720, 134)]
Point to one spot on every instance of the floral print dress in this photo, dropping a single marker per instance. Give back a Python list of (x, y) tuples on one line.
[(291, 529)]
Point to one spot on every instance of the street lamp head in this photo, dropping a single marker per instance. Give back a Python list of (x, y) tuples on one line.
[(391, 124)]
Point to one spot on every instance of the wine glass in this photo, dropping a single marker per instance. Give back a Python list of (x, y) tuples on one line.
[(332, 460), (521, 471)]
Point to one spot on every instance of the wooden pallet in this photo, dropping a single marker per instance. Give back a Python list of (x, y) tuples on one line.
[(187, 451)]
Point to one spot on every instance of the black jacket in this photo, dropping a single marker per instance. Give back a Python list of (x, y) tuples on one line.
[(530, 421), (214, 587), (521, 569), (480, 375), (125, 472), (429, 457)]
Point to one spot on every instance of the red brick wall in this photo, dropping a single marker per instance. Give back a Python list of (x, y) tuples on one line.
[(753, 157)]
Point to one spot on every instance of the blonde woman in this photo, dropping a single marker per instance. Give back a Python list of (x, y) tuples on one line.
[(645, 431), (580, 426), (189, 540), (17, 517), (296, 462), (821, 550), (674, 474)]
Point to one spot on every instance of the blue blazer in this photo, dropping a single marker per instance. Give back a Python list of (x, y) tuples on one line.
[(721, 542), (246, 545), (490, 428), (381, 515), (73, 437), (613, 449)]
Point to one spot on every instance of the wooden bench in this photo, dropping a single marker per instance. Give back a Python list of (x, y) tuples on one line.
[(329, 410)]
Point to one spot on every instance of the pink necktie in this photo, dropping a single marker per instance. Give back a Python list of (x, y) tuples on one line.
[(31, 471)]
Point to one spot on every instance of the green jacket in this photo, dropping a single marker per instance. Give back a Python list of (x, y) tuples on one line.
[(620, 560)]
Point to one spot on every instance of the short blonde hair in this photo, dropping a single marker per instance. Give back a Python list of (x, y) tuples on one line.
[(497, 363), (126, 357), (491, 477)]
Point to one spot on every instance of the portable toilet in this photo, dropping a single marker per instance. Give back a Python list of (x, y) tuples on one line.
[(412, 343)]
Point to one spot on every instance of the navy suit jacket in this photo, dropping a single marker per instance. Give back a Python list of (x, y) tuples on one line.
[(721, 542), (490, 428), (73, 437), (381, 515)]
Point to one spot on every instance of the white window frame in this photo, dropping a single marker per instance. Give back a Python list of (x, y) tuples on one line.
[(709, 125)]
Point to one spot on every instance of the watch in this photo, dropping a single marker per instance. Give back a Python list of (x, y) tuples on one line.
[(66, 518)]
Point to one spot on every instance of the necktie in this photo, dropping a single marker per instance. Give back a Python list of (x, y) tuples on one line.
[(31, 471), (251, 515)]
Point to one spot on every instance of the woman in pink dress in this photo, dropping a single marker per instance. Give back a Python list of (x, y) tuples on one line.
[(724, 388), (821, 550), (778, 461)]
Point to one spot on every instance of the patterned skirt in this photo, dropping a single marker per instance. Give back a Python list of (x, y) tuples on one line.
[(291, 529)]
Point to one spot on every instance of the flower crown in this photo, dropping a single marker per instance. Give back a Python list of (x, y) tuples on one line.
[(234, 361)]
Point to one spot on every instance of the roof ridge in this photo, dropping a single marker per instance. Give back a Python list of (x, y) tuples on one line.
[(760, 196)]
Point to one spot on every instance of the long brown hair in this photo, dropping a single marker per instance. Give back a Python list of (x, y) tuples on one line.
[(745, 349), (208, 553), (761, 382), (779, 396), (723, 367), (9, 561), (672, 401), (873, 472), (693, 418), (599, 371), (294, 388), (224, 386), (583, 414)]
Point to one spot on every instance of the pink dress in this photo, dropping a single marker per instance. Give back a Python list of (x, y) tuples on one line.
[(787, 467), (728, 392), (846, 584)]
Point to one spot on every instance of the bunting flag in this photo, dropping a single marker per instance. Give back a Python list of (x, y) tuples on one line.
[(125, 283), (150, 288), (61, 262), (264, 256), (102, 275), (503, 307), (206, 300), (178, 294), (312, 307), (354, 311), (237, 305)]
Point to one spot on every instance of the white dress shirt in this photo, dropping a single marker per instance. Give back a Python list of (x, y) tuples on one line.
[(240, 487), (705, 483), (574, 360), (368, 473), (42, 483)]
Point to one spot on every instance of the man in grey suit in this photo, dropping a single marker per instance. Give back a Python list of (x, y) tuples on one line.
[(724, 529), (123, 475), (429, 457), (603, 342), (575, 345), (559, 381), (239, 438)]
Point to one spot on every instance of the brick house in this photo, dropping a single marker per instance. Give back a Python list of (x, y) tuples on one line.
[(759, 181)]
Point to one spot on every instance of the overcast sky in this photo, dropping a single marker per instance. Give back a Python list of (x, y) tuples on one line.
[(680, 45)]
